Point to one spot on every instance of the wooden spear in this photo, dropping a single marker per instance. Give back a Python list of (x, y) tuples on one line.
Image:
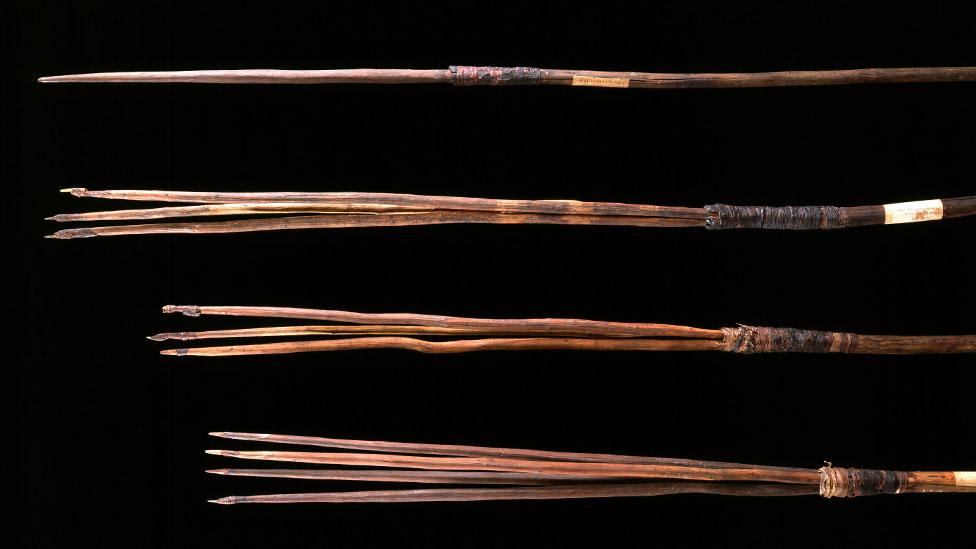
[(499, 76), (335, 210), (537, 334)]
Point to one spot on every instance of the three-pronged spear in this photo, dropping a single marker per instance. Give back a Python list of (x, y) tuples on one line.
[(277, 211), (500, 76), (385, 331), (535, 474)]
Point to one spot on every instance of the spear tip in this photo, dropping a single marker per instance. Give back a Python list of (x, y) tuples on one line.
[(164, 336), (174, 352), (230, 500), (68, 234), (217, 452), (76, 191), (217, 471)]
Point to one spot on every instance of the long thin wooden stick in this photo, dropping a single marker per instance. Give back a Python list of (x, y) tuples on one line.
[(483, 325), (516, 465), (644, 489), (351, 221), (414, 202), (458, 346), (411, 476), (467, 76), (470, 451), (340, 330)]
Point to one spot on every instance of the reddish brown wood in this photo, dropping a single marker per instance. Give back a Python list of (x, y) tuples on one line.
[(516, 465), (456, 346), (407, 201), (551, 475), (410, 476), (523, 75), (537, 334), (644, 489), (483, 325), (349, 221), (351, 210), (471, 451)]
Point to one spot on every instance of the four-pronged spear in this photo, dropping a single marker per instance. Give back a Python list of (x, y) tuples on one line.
[(277, 211), (535, 334), (535, 474), (502, 76)]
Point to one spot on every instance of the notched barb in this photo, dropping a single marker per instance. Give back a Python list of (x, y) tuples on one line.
[(188, 310)]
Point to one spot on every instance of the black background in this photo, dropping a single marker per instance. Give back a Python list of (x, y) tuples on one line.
[(112, 435)]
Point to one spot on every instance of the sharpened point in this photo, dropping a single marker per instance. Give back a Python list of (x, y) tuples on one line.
[(215, 452), (222, 501), (217, 471)]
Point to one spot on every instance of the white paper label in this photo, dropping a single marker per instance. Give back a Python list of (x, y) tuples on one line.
[(600, 82), (910, 212), (965, 478)]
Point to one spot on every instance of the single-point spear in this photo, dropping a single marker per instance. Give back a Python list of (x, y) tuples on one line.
[(499, 76), (279, 211), (481, 334)]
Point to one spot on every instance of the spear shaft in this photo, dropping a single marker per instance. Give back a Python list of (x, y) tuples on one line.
[(497, 76)]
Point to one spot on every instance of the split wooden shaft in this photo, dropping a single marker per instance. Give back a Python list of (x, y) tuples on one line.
[(404, 201), (336, 210)]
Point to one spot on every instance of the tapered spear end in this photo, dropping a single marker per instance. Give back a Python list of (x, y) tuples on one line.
[(68, 234), (76, 191), (175, 352), (218, 452), (188, 310), (229, 500), (239, 436), (165, 336), (217, 471), (63, 78)]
